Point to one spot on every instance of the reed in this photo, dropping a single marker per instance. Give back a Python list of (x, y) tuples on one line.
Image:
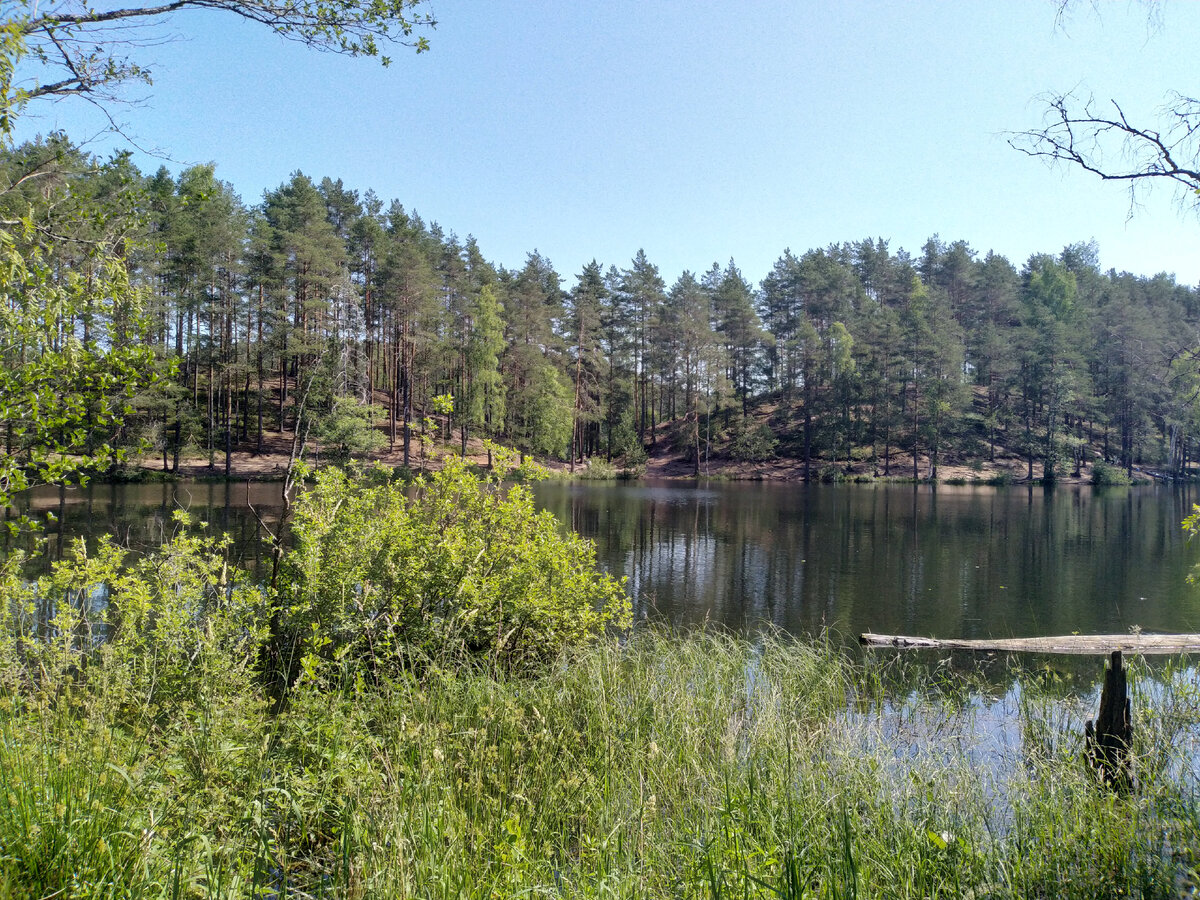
[(661, 765)]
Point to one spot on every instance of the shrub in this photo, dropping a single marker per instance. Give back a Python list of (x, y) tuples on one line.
[(598, 469), (149, 635), (633, 461), (348, 429), (831, 474), (1104, 474), (753, 444), (458, 568)]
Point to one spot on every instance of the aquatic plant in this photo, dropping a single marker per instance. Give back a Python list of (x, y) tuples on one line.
[(698, 765)]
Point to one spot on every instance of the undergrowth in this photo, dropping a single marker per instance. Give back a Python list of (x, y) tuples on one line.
[(697, 765)]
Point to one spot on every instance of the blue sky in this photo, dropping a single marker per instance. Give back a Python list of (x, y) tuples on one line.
[(696, 130)]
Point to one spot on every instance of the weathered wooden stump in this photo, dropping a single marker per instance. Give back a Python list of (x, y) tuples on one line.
[(1108, 739)]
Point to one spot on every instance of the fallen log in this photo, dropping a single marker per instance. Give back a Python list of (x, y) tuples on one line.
[(1072, 644)]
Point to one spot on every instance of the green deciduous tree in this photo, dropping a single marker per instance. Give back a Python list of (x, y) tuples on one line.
[(74, 349)]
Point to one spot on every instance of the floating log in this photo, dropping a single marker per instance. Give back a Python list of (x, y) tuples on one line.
[(1107, 740), (1072, 644)]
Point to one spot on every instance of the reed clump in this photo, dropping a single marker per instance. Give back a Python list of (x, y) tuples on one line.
[(661, 764)]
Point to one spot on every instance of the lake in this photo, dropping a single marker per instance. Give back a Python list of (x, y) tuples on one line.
[(946, 561)]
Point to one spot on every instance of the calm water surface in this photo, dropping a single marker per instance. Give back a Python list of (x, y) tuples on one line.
[(945, 561)]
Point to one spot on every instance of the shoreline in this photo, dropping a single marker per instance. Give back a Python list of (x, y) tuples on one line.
[(271, 464)]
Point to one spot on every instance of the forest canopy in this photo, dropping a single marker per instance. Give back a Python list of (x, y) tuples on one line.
[(194, 323), (330, 310)]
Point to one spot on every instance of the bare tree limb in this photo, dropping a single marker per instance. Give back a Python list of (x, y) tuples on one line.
[(1108, 145)]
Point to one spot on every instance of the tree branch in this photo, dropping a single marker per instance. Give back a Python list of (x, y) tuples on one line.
[(1112, 148), (80, 46)]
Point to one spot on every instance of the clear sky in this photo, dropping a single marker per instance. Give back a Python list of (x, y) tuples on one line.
[(696, 130)]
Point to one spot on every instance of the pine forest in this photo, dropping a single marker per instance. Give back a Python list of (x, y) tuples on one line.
[(328, 314)]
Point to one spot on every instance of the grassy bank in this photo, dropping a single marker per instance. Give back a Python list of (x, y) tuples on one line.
[(666, 765)]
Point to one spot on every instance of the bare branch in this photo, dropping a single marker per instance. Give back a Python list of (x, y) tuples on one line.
[(1108, 145)]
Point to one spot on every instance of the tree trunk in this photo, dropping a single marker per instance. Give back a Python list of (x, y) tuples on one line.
[(1108, 739)]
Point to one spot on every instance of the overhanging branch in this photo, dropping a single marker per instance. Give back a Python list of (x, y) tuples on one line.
[(1108, 145)]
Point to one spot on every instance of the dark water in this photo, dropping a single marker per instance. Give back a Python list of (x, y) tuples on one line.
[(141, 516), (945, 561)]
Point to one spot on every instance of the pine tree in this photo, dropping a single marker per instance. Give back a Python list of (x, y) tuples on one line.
[(484, 401), (406, 297), (738, 324), (585, 314), (641, 296)]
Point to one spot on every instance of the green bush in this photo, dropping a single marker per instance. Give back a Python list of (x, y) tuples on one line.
[(753, 444), (148, 634), (456, 568), (598, 469), (348, 430), (1104, 474), (833, 474)]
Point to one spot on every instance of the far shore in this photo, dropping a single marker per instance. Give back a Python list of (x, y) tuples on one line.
[(271, 465)]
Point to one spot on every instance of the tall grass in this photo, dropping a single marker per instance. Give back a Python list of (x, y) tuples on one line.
[(666, 765)]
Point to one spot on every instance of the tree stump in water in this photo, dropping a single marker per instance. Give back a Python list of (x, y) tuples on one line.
[(1107, 741)]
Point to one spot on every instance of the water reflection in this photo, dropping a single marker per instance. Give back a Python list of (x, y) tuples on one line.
[(140, 517), (954, 562), (945, 561)]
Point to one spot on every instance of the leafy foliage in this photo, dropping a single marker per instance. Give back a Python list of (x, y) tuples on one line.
[(348, 431), (148, 634), (1104, 474), (752, 443), (651, 766), (71, 358), (81, 50), (457, 568)]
